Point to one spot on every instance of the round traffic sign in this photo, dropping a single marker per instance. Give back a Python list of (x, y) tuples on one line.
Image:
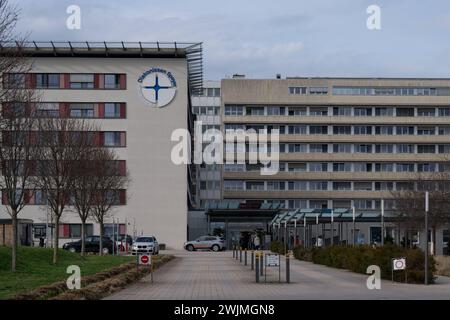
[(144, 259), (399, 264)]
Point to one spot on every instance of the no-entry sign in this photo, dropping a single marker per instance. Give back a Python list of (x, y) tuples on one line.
[(144, 259)]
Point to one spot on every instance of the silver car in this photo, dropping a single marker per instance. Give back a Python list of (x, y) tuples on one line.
[(145, 244), (207, 243)]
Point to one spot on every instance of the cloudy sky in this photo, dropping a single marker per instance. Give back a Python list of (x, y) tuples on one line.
[(261, 38)]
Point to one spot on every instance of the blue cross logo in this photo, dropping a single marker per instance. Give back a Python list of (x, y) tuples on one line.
[(156, 87)]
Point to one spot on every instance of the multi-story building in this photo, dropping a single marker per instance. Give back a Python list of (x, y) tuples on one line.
[(344, 142), (139, 94)]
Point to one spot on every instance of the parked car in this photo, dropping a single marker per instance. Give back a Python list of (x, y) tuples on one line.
[(92, 244), (206, 242), (121, 244), (144, 244)]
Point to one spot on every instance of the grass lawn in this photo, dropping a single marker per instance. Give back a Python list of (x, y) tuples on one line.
[(35, 268)]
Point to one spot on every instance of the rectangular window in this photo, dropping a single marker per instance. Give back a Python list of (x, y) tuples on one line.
[(47, 80), (426, 167), (426, 112), (342, 148), (297, 129), (112, 110), (81, 110), (405, 167), (362, 130), (404, 130), (362, 204), (318, 167), (318, 185), (81, 81), (362, 111), (362, 167), (297, 167), (342, 111), (318, 148), (342, 167), (112, 139), (275, 185), (384, 130), (342, 186), (384, 167), (275, 111), (255, 111), (362, 186), (297, 204), (297, 90), (426, 148), (405, 148), (234, 110), (384, 148), (318, 90), (297, 147), (384, 111), (444, 112), (444, 148), (112, 81), (363, 148), (425, 131), (233, 185), (384, 186), (47, 110), (318, 130), (342, 130), (318, 111), (297, 111), (405, 112), (254, 185), (16, 80), (297, 185)]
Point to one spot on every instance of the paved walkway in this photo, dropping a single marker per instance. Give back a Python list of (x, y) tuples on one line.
[(211, 275)]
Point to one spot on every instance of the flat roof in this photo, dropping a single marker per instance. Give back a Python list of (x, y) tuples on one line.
[(191, 51)]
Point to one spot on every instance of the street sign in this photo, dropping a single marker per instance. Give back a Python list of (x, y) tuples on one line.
[(399, 264), (144, 259), (272, 260)]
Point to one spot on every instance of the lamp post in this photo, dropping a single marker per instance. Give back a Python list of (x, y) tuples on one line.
[(382, 222), (354, 219), (426, 236), (332, 227)]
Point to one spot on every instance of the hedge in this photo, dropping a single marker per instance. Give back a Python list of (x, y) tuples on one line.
[(358, 258), (277, 247)]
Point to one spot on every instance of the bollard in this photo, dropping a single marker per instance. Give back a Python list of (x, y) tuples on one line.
[(252, 257), (237, 257), (234, 251), (245, 256), (288, 268), (240, 254), (261, 263), (257, 267)]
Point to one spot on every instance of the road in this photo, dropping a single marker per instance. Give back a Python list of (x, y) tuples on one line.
[(210, 275)]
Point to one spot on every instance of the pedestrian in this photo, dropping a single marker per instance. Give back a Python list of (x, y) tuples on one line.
[(41, 242), (256, 242)]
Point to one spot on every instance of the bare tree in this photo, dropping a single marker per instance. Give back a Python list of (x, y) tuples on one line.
[(62, 142), (110, 186), (84, 187), (17, 120)]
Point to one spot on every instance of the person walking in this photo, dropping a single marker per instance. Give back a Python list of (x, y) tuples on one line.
[(256, 242)]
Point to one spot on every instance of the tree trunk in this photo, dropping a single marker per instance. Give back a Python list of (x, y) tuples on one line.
[(100, 251), (56, 241), (83, 237), (14, 241)]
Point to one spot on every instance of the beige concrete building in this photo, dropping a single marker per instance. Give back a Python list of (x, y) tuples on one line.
[(344, 142), (138, 93)]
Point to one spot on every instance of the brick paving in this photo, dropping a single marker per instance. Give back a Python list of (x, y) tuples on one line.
[(216, 275)]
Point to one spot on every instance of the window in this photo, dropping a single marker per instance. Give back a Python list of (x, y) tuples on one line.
[(342, 130), (318, 204), (254, 185), (318, 90), (426, 112), (318, 167), (362, 111), (233, 185), (425, 131), (342, 111), (384, 186), (384, 148), (405, 112), (255, 111), (297, 167), (297, 90), (404, 130), (405, 148), (446, 236), (426, 167), (275, 185), (342, 148), (444, 112), (297, 111), (384, 167), (112, 81), (362, 186), (362, 130), (81, 110), (297, 185), (318, 130), (427, 148), (16, 80), (297, 204), (444, 148), (318, 148), (297, 147), (362, 204), (444, 131), (73, 230), (318, 111), (342, 167), (363, 148), (342, 186), (362, 167), (112, 110), (47, 80), (405, 167), (318, 185), (275, 111), (112, 139), (297, 129), (384, 111), (233, 167), (404, 186), (50, 110), (384, 130), (234, 110), (81, 81)]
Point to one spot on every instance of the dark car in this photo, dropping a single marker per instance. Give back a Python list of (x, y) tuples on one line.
[(92, 244)]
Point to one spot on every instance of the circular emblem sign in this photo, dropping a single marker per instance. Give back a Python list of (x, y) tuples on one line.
[(158, 87), (144, 259)]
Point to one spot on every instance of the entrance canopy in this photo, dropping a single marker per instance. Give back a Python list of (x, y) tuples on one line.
[(234, 211)]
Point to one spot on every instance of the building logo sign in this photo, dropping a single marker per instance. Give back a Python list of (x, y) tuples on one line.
[(158, 87)]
